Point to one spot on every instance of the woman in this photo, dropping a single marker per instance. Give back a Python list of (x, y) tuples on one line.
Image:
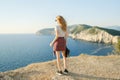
[(59, 43)]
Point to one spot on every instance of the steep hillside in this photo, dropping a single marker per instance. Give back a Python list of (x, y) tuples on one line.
[(74, 29), (111, 31), (88, 33), (95, 34)]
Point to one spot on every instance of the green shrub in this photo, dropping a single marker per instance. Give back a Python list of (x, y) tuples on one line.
[(93, 31), (110, 31), (78, 28), (117, 48)]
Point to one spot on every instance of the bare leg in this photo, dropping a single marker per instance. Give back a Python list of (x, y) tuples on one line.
[(58, 60), (64, 59)]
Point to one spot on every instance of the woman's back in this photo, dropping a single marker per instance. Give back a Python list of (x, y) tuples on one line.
[(61, 33)]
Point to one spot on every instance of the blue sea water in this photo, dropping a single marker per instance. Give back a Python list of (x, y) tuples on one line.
[(19, 50)]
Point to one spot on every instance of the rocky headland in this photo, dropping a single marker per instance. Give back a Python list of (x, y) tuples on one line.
[(88, 33), (96, 34)]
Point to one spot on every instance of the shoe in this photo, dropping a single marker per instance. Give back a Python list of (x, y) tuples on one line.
[(59, 72), (65, 71)]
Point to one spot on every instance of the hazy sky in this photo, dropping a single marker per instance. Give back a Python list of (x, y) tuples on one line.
[(29, 16)]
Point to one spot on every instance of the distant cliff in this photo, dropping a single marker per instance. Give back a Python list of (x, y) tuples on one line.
[(95, 34), (48, 31), (89, 33)]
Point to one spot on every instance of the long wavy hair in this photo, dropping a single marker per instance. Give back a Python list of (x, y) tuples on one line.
[(62, 23)]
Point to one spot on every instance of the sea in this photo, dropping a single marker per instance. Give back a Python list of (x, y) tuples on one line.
[(19, 50)]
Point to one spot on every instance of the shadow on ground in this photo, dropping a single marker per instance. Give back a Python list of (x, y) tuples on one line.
[(90, 77)]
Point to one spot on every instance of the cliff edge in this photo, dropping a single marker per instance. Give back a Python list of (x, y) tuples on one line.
[(83, 67)]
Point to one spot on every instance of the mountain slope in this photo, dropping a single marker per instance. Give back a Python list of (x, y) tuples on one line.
[(95, 34), (111, 31), (78, 28)]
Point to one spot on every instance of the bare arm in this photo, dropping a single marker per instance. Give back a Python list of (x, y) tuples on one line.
[(56, 36)]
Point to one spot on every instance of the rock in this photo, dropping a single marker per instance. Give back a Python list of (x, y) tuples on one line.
[(5, 77), (101, 36)]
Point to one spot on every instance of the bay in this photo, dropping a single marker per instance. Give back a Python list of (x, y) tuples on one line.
[(19, 50)]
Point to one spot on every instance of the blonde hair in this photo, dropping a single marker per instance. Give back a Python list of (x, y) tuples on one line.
[(62, 23)]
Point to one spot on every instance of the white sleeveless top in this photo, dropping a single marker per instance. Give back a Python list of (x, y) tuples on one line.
[(61, 33)]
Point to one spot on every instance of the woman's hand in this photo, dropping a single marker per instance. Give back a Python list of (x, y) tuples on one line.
[(51, 44)]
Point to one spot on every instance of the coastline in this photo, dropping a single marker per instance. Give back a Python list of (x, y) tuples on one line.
[(82, 67)]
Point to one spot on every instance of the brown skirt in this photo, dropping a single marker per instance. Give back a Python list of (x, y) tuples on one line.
[(60, 44)]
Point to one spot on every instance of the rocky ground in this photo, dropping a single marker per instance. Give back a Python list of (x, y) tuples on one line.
[(83, 67)]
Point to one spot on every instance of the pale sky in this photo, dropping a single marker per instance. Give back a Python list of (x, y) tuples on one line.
[(29, 16)]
